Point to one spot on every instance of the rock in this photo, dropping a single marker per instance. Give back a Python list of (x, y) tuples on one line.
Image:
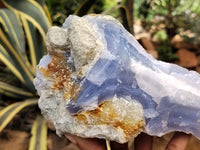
[(138, 27), (105, 85), (198, 69), (56, 39), (198, 58), (179, 43), (141, 35), (148, 46), (186, 58)]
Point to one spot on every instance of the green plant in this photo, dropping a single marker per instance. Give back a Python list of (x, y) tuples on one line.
[(23, 25), (161, 35), (165, 52), (63, 8), (176, 14), (170, 17)]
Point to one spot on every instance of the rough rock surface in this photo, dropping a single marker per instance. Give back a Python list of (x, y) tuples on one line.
[(179, 43), (148, 46), (101, 83), (186, 58)]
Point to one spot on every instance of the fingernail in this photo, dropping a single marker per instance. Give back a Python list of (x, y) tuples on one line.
[(71, 138)]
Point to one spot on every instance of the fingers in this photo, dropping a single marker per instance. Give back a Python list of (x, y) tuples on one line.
[(94, 144), (118, 146), (86, 144), (143, 142), (179, 141)]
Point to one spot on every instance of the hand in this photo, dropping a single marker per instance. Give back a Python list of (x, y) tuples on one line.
[(94, 144), (178, 142), (143, 142)]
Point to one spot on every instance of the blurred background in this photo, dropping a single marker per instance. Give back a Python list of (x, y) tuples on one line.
[(168, 29)]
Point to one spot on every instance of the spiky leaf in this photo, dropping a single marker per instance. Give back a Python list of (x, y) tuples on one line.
[(7, 114), (38, 139), (10, 38), (12, 90), (34, 39), (32, 11)]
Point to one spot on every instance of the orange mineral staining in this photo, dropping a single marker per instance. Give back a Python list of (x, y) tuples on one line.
[(106, 114), (81, 117), (58, 72), (72, 92)]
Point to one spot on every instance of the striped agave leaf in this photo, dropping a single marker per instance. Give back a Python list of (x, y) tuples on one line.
[(32, 11), (108, 146), (12, 40), (1, 108), (9, 94), (35, 23), (7, 114), (23, 25), (43, 4), (38, 139), (35, 42), (12, 90), (6, 59)]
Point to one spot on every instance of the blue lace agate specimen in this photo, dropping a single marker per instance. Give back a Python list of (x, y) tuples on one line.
[(97, 81)]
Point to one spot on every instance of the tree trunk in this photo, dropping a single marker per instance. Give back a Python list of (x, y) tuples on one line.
[(130, 6)]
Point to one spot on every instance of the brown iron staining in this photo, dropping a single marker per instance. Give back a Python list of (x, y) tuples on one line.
[(106, 114), (58, 72)]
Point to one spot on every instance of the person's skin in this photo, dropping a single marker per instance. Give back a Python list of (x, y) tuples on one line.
[(179, 141), (142, 142)]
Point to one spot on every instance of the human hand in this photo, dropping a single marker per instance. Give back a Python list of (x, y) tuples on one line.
[(142, 142), (178, 142), (94, 144)]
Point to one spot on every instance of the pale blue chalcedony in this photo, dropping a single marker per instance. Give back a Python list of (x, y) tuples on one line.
[(165, 92), (169, 94)]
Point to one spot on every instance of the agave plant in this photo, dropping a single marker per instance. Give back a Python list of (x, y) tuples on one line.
[(23, 25)]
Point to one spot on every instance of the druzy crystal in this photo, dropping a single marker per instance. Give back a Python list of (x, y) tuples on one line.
[(97, 81)]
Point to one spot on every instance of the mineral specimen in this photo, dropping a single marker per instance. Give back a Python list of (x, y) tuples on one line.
[(97, 81)]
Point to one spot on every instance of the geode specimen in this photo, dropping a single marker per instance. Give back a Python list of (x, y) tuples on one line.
[(97, 81)]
